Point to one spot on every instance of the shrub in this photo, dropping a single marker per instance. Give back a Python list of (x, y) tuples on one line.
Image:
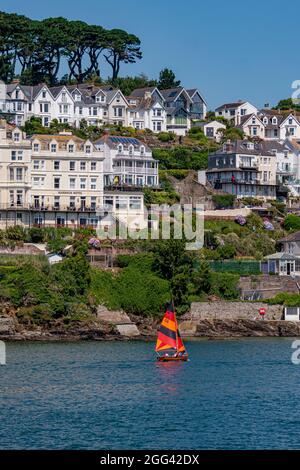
[(166, 136), (223, 201), (16, 232), (292, 222), (225, 285)]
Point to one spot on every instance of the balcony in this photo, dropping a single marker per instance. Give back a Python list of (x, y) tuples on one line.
[(251, 166)]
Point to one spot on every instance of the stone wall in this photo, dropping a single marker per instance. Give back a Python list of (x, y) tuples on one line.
[(232, 311), (267, 286)]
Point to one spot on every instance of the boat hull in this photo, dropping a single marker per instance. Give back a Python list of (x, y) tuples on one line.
[(172, 359)]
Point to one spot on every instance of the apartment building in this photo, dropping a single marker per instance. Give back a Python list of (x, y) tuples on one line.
[(127, 162), (244, 169), (58, 180)]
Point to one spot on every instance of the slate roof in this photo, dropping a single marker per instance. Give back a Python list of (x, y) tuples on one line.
[(236, 104)]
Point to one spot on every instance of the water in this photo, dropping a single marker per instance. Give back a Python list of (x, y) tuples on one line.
[(239, 394)]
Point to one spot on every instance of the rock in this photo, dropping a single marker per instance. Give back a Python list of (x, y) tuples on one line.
[(239, 328), (7, 326)]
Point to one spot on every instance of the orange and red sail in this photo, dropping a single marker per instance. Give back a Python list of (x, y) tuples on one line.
[(168, 334)]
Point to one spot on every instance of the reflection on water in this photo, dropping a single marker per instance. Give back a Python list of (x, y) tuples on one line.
[(98, 395)]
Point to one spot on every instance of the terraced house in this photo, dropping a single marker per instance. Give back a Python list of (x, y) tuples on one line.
[(69, 104)]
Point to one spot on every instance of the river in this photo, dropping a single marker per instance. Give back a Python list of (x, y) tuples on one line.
[(233, 394)]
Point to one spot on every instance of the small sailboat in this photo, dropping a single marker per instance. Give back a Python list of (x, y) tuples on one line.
[(169, 345)]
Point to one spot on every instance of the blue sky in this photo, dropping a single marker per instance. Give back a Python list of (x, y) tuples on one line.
[(228, 49)]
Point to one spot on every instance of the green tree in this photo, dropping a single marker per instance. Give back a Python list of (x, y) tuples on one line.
[(167, 79), (121, 47)]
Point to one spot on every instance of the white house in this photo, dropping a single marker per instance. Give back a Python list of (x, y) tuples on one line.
[(252, 126), (127, 162), (279, 126), (147, 110), (212, 129), (236, 110)]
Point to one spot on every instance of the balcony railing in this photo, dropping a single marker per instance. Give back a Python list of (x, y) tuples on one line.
[(50, 208)]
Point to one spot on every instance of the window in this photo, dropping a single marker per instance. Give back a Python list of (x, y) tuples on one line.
[(275, 132), (72, 202), (56, 165), (80, 110), (56, 183), (19, 174), (121, 202), (82, 183), (56, 202), (290, 120), (36, 164), (157, 126), (93, 183), (44, 94), (72, 166), (82, 166), (142, 150), (118, 112), (71, 148), (254, 131), (72, 183), (17, 155), (95, 111), (135, 202), (16, 137), (87, 149), (46, 121), (29, 107), (120, 148), (93, 166), (130, 150), (53, 148), (291, 131), (93, 202), (36, 147)]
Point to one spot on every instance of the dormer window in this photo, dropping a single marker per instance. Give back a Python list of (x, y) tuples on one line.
[(44, 94), (87, 149), (118, 98), (16, 137), (265, 121), (71, 148), (36, 147), (274, 120), (290, 120), (142, 150), (120, 148), (53, 148), (77, 97), (130, 150)]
